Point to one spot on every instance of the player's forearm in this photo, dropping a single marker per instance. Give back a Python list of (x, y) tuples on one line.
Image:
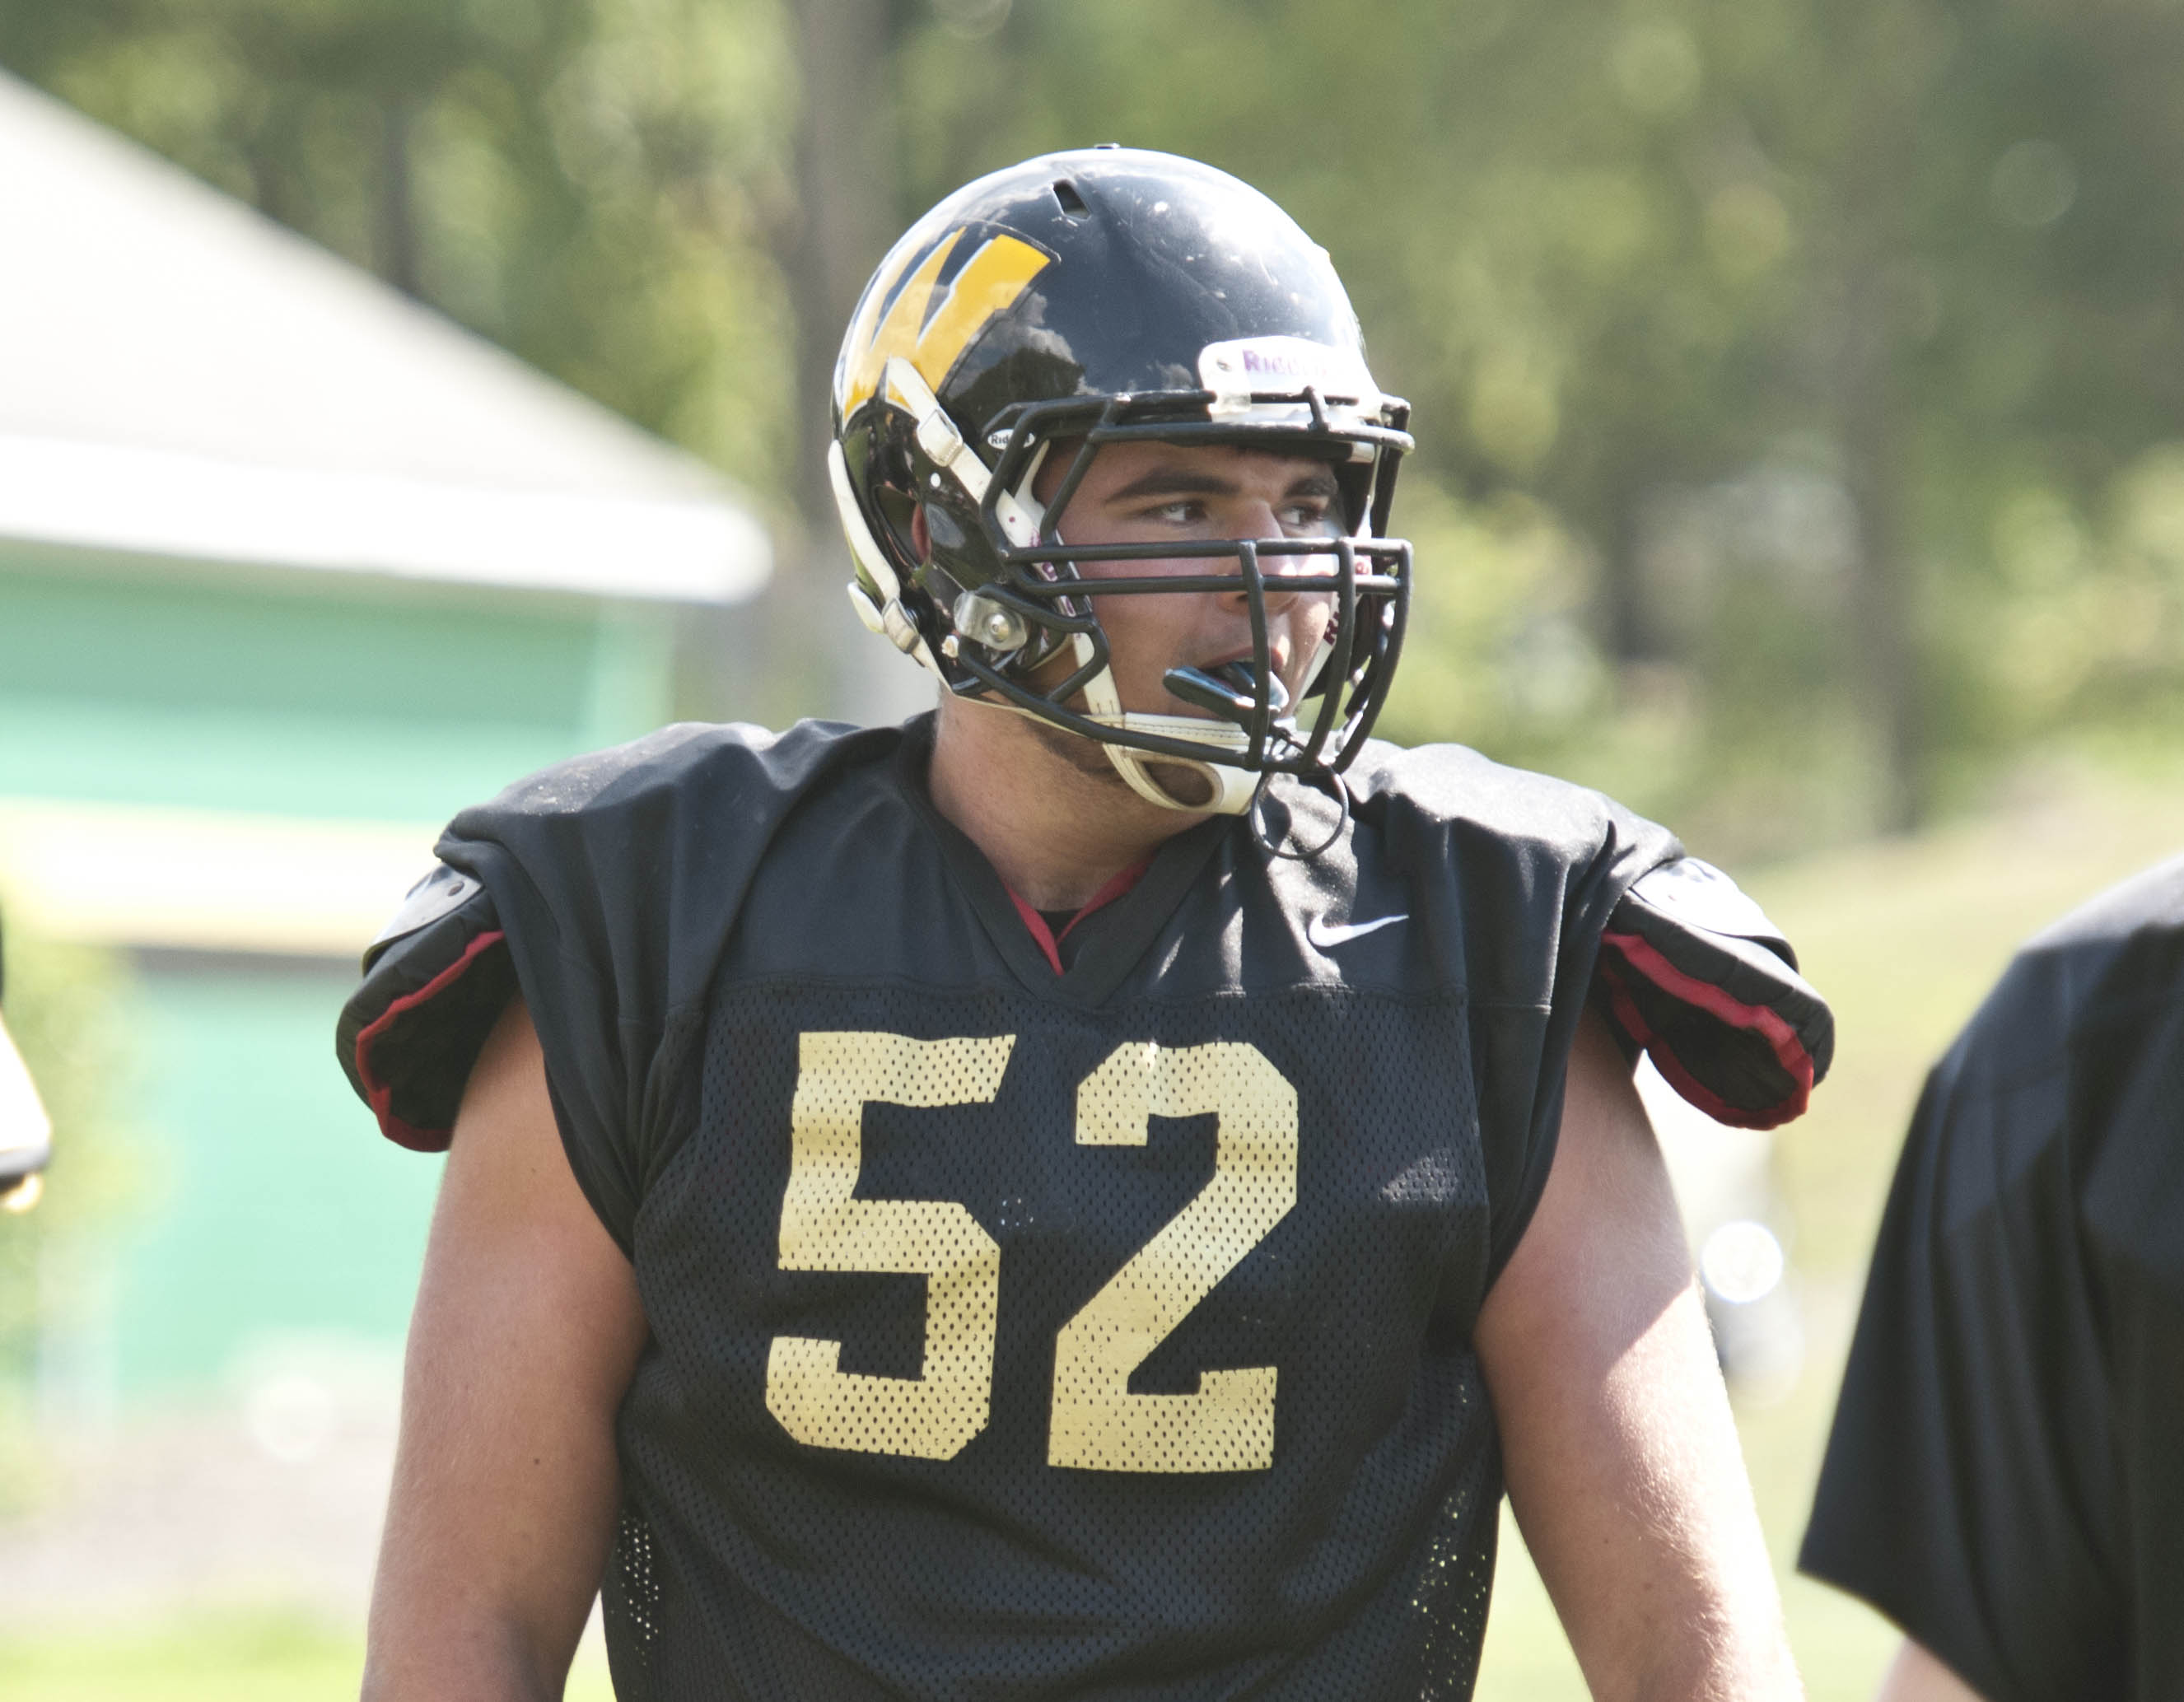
[(494, 1542), (1731, 1643), (1743, 1673), (1697, 1657), (427, 1656), (482, 1592)]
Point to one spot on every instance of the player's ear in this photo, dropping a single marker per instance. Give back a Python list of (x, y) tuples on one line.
[(920, 535)]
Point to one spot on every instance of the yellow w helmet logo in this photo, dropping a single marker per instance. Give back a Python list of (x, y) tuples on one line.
[(933, 338)]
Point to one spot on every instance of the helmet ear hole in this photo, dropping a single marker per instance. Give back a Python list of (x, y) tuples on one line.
[(899, 510), (941, 527)]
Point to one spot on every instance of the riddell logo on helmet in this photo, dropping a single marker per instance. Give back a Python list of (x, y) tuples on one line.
[(933, 336), (1287, 364), (1279, 363)]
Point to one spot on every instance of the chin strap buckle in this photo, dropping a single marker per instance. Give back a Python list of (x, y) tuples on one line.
[(876, 594), (901, 631), (887, 619)]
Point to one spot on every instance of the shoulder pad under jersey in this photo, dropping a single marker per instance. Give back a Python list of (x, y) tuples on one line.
[(1693, 971)]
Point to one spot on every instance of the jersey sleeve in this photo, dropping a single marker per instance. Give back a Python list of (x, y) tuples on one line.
[(1696, 975), (1686, 968), (1967, 1489), (435, 981)]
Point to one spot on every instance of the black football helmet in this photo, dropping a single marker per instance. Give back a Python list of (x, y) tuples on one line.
[(1091, 298)]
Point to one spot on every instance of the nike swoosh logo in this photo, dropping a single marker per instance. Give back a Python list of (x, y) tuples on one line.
[(1325, 936)]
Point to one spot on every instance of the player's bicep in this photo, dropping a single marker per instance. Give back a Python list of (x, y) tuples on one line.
[(527, 1329), (1621, 1457)]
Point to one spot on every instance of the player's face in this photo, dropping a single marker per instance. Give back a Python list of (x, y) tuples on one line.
[(1153, 493)]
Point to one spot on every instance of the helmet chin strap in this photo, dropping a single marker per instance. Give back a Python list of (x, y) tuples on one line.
[(1226, 790), (1232, 789)]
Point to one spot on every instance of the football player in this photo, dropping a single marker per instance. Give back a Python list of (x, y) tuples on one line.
[(1093, 1192), (2005, 1479)]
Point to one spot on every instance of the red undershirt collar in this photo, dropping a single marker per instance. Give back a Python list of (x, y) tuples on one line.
[(1048, 941)]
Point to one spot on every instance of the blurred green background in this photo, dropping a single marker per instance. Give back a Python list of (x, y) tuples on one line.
[(1798, 383), (1801, 459)]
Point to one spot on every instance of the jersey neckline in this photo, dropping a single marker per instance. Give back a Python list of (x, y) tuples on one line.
[(1050, 929), (1131, 921)]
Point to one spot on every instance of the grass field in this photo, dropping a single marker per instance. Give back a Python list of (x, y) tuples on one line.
[(226, 1656), (1904, 937)]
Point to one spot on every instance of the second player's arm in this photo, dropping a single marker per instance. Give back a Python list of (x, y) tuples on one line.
[(1620, 1455), (526, 1330)]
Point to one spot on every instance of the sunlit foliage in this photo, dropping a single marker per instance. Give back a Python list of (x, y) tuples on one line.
[(1798, 381)]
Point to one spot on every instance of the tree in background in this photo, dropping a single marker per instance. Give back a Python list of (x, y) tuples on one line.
[(1796, 378), (1752, 344), (591, 185)]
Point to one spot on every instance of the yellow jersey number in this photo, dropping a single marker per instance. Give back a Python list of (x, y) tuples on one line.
[(1095, 1423)]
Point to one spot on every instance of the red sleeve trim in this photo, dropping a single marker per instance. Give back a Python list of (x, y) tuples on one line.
[(379, 1095), (1770, 1023)]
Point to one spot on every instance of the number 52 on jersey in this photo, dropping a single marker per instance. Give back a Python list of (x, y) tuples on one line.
[(1094, 1422)]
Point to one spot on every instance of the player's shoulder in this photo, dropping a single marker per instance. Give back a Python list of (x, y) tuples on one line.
[(2083, 1006), (2149, 903), (637, 860), (1694, 970), (2120, 951), (1452, 789), (736, 772), (604, 884)]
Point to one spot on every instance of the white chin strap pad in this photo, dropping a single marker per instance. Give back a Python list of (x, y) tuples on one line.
[(1216, 788), (1226, 790)]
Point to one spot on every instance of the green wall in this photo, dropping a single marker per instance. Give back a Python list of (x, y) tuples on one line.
[(269, 1206), (302, 694), (270, 1203)]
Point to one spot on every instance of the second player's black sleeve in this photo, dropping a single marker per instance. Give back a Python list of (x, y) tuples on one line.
[(1968, 1491)]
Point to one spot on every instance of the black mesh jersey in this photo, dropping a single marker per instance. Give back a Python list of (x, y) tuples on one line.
[(1023, 1335), (2006, 1475)]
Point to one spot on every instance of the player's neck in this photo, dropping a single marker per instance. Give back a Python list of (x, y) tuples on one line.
[(1056, 833)]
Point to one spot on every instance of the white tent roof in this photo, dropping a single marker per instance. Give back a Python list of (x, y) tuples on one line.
[(181, 376)]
